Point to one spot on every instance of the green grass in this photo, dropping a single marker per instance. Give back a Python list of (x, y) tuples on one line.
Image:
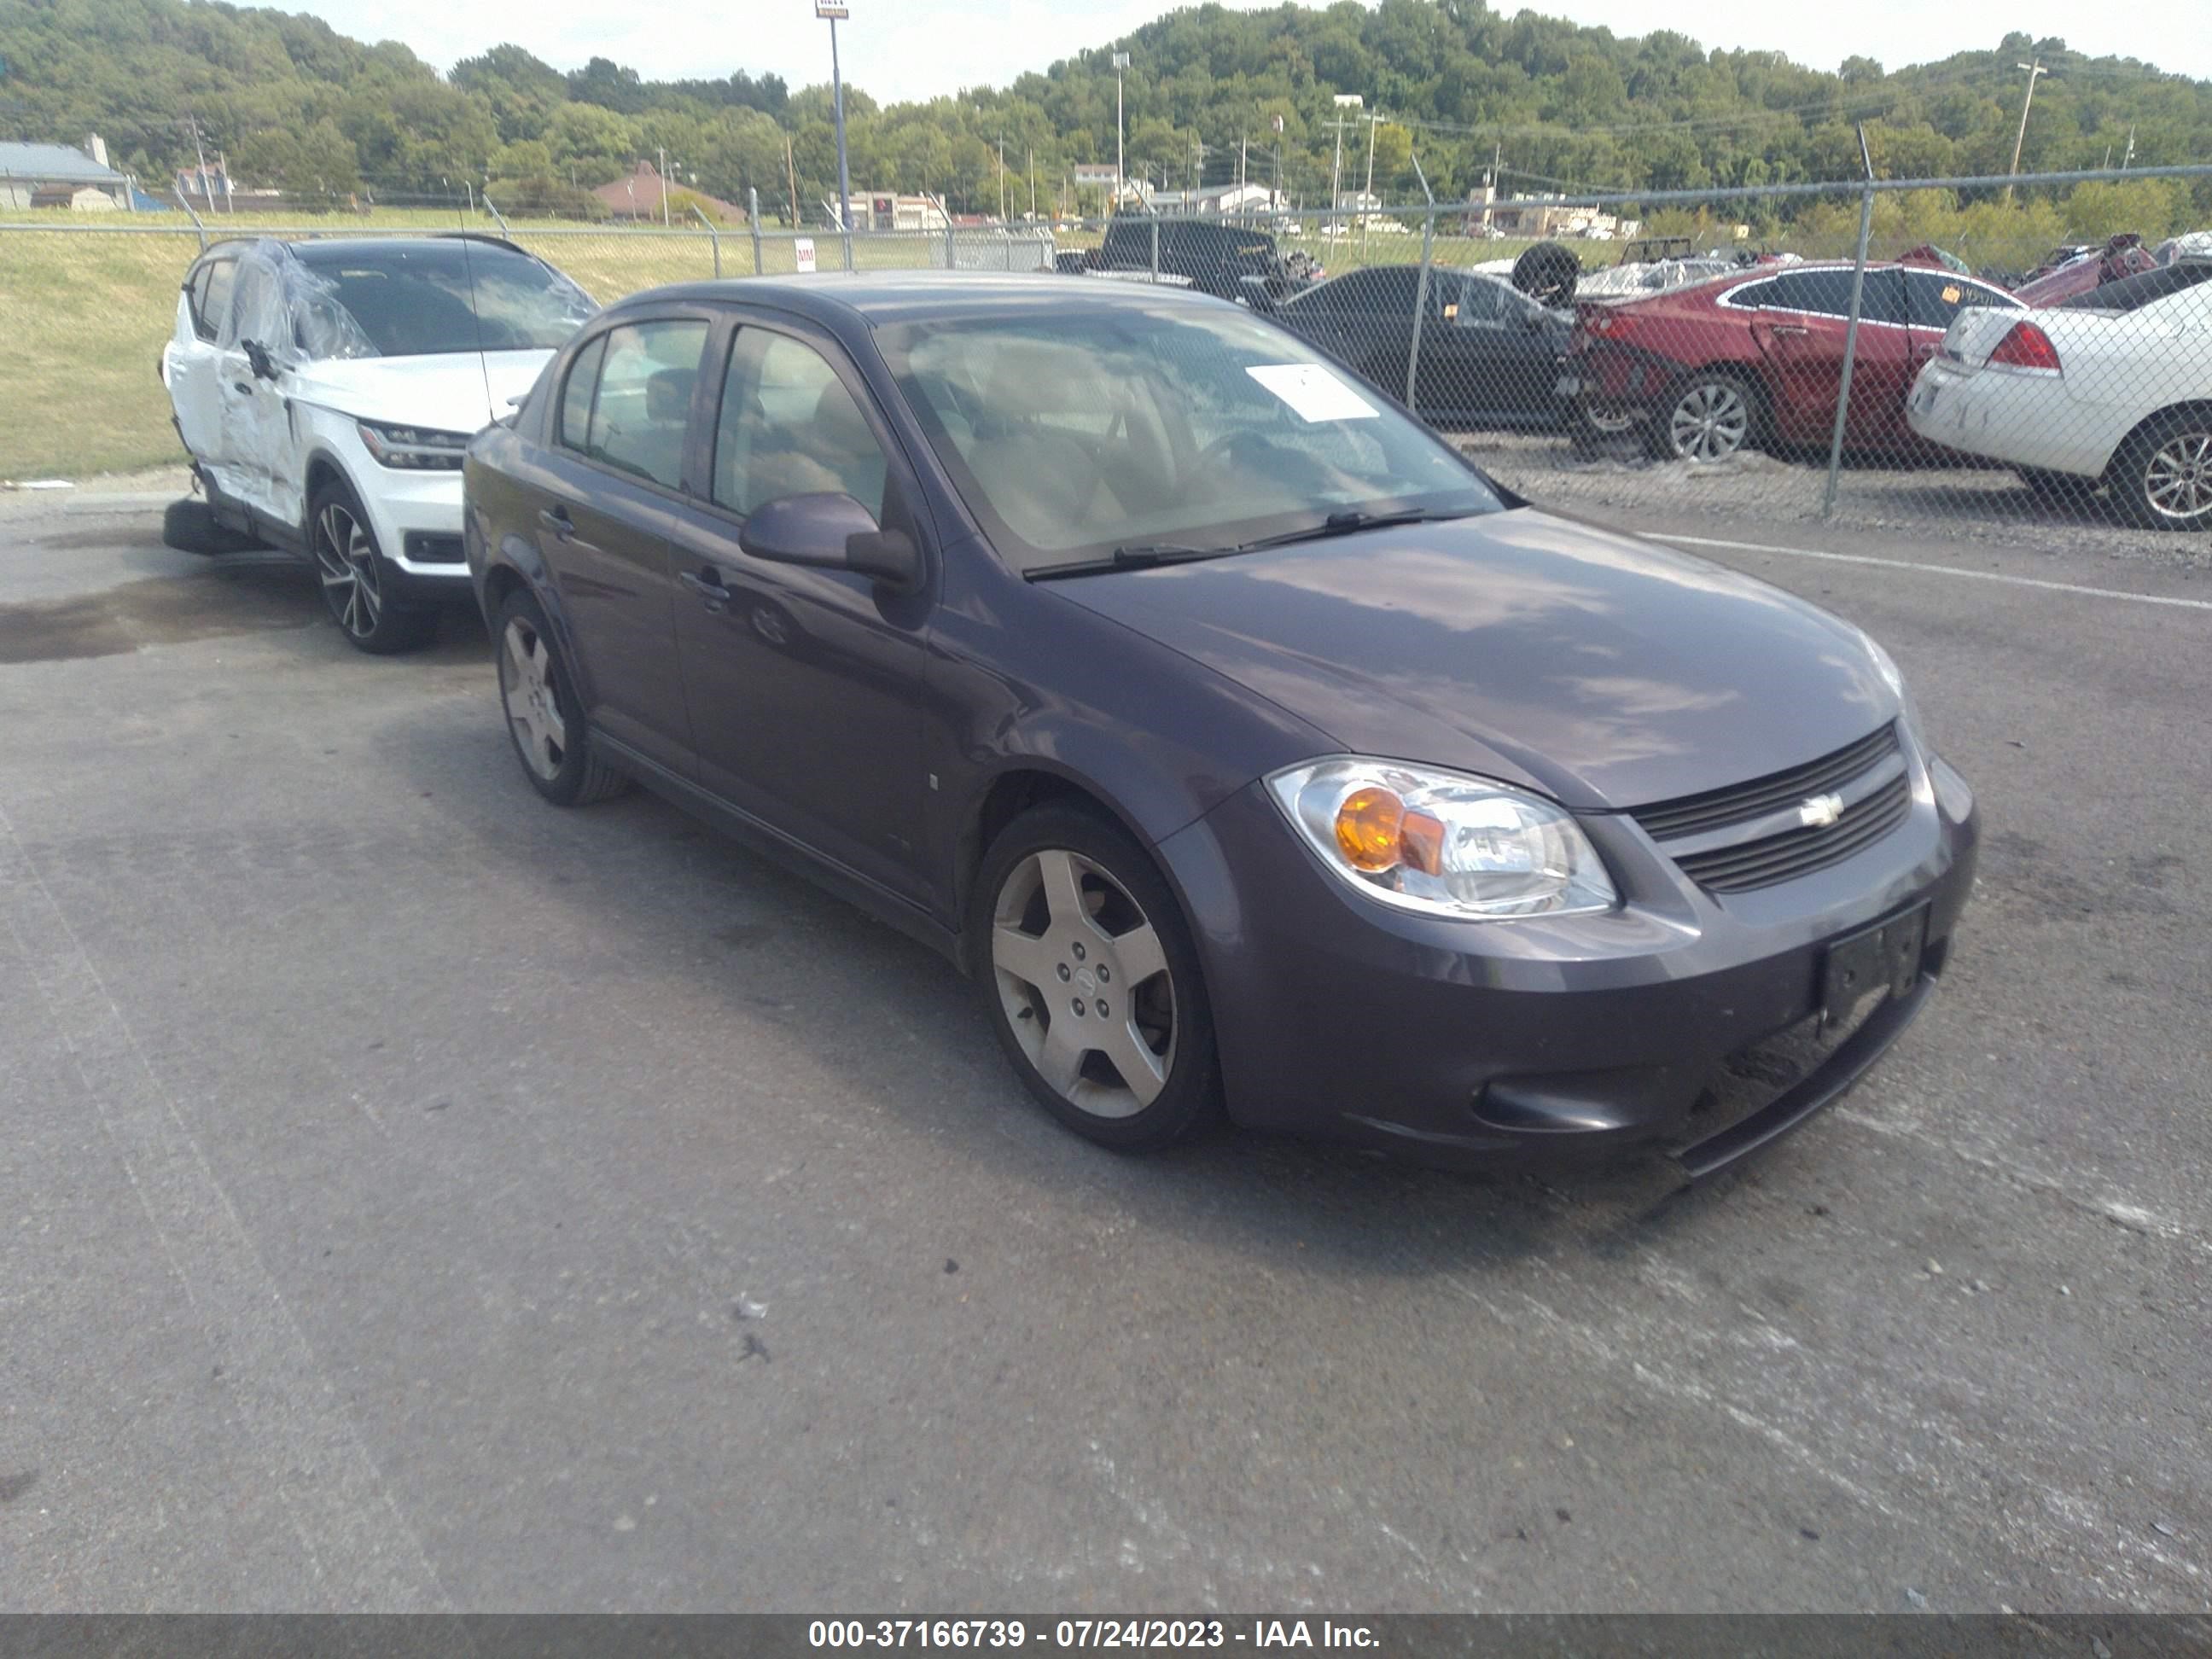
[(84, 313)]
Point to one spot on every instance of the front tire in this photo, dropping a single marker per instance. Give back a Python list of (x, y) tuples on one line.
[(1091, 982), (544, 719), (2162, 476), (1714, 416), (360, 586)]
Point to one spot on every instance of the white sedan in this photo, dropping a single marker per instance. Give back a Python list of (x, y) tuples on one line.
[(325, 390), (2112, 389)]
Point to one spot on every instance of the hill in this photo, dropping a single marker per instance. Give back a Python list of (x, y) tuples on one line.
[(292, 103)]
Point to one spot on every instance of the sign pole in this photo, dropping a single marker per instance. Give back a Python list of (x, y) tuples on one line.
[(829, 11)]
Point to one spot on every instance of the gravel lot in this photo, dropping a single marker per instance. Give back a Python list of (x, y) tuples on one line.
[(415, 1197)]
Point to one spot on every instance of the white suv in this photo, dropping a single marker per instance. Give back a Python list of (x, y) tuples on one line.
[(325, 390)]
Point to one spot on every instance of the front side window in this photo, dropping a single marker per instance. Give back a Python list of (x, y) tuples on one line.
[(210, 295), (789, 426), (576, 396), (1934, 297), (1073, 434), (641, 403)]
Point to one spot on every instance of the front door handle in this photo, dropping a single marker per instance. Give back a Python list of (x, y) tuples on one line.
[(246, 387), (556, 520), (1792, 329), (708, 585)]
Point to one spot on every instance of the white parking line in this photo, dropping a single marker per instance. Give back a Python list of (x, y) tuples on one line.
[(1940, 570)]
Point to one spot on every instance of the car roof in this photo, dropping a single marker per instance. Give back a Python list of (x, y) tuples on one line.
[(905, 296), (324, 248)]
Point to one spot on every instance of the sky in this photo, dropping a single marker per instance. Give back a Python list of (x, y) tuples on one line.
[(911, 51)]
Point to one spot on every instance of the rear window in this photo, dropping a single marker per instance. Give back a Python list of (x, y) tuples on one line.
[(2133, 293)]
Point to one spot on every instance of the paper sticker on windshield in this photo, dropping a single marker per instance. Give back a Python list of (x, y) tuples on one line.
[(1313, 392), (1953, 294)]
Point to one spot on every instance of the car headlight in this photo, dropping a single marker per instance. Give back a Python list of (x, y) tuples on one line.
[(1893, 678), (413, 448), (1444, 842)]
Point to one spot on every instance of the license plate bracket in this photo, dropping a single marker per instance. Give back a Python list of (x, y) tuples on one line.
[(1883, 957)]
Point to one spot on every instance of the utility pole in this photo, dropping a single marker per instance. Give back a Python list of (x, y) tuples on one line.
[(1121, 167), (1033, 185), (192, 121), (2035, 72), (791, 178), (1002, 178), (1243, 141), (829, 11), (1367, 196), (1345, 101), (663, 153), (2128, 158)]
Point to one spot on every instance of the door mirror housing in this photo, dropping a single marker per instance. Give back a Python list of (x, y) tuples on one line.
[(829, 532)]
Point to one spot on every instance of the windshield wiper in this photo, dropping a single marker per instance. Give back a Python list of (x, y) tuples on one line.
[(1143, 557), (1352, 521)]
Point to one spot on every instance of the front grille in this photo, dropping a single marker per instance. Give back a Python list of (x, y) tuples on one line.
[(1872, 769), (1716, 809), (1795, 852)]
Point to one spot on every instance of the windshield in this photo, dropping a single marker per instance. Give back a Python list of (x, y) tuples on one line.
[(414, 299), (1073, 432)]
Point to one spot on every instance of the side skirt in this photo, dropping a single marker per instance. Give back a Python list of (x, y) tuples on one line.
[(835, 879)]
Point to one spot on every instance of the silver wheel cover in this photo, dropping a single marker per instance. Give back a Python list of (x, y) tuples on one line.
[(1083, 982)]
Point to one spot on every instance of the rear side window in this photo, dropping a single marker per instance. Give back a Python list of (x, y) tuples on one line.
[(2133, 293), (210, 291), (641, 407), (1827, 293), (1936, 296)]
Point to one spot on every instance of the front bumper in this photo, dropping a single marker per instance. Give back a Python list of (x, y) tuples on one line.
[(416, 517), (1464, 1043)]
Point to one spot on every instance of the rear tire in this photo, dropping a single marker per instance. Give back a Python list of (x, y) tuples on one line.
[(544, 718), (2162, 476), (1712, 416), (360, 586), (1092, 983)]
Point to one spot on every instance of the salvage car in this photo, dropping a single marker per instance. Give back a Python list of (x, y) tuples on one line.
[(2111, 391), (1489, 354), (1230, 262), (2085, 268), (1756, 360), (325, 391), (1253, 751)]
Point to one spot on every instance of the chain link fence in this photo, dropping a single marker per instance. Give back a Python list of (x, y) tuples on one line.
[(2029, 357)]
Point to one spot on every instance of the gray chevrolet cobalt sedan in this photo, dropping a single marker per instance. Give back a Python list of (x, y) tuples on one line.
[(1252, 751)]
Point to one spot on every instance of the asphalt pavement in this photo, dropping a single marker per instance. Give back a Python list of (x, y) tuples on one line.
[(415, 1197)]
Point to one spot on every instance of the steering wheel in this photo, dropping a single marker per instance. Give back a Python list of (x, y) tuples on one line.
[(1222, 445)]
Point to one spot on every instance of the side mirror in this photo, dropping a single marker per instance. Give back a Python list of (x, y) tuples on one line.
[(259, 359), (829, 532)]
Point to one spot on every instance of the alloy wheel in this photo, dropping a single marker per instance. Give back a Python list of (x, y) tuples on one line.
[(1084, 982), (345, 559), (1710, 423), (526, 691), (2178, 477)]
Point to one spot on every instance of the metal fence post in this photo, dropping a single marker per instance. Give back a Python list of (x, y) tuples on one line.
[(752, 218), (1851, 333), (496, 215), (1421, 286), (952, 253), (195, 218), (1156, 248), (712, 236)]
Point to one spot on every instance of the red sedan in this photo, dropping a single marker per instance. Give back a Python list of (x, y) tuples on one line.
[(1756, 359)]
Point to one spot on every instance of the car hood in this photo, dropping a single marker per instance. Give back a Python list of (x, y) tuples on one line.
[(1600, 669), (450, 391)]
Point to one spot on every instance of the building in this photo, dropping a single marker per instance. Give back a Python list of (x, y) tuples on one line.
[(1217, 199), (1101, 176), (640, 195), (887, 209), (1539, 217), (55, 175)]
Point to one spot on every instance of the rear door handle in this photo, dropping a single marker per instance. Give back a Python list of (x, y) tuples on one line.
[(556, 520), (708, 586), (1791, 328)]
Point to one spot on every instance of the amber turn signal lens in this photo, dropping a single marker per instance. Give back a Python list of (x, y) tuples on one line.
[(1367, 827), (1421, 842)]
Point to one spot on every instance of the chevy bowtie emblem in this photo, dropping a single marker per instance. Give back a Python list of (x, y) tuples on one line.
[(1820, 812)]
